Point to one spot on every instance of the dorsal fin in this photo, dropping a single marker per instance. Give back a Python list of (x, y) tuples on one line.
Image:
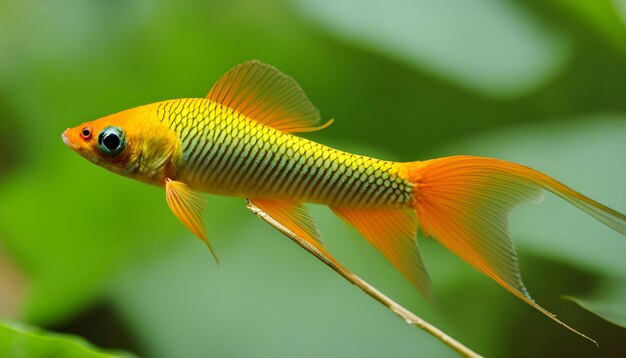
[(393, 232), (266, 95)]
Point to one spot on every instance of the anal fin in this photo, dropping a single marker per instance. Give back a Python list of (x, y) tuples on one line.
[(295, 217), (394, 233)]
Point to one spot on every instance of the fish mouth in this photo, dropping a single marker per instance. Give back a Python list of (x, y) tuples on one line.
[(66, 140)]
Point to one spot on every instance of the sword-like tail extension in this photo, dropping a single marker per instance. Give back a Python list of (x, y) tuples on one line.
[(464, 203)]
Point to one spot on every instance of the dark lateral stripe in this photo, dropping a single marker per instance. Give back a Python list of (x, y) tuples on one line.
[(330, 182), (372, 188), (238, 166), (306, 185), (187, 129), (192, 136), (186, 140), (318, 181), (277, 167), (344, 192), (246, 169), (283, 181), (233, 167), (277, 178), (231, 154), (342, 184), (266, 170), (281, 161), (357, 189), (265, 167), (208, 158), (374, 193), (371, 191), (216, 160), (223, 171), (326, 181), (226, 148), (293, 176), (197, 145), (300, 180), (335, 187), (276, 164), (200, 143), (348, 191), (206, 149), (249, 179), (297, 177), (303, 187), (385, 195)]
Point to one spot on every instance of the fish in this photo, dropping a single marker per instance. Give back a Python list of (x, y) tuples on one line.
[(240, 141)]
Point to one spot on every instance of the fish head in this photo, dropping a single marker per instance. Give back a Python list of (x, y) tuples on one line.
[(133, 143)]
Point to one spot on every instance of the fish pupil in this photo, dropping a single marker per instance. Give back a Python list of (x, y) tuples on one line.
[(111, 141)]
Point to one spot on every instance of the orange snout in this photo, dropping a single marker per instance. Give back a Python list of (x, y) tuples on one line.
[(80, 138)]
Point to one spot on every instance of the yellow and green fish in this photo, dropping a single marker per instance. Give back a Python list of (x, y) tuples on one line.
[(239, 141)]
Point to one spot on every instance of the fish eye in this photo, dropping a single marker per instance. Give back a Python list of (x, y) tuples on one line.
[(86, 132), (112, 140)]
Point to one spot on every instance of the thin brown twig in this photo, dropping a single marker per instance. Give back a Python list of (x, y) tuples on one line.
[(408, 316)]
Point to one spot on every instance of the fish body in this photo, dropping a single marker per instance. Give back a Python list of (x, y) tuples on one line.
[(239, 141), (223, 152)]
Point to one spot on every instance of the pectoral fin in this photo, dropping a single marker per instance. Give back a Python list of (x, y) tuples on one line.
[(187, 205)]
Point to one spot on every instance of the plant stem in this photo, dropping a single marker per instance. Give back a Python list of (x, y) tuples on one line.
[(408, 316)]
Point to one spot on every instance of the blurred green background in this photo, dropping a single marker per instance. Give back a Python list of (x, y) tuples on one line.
[(92, 254)]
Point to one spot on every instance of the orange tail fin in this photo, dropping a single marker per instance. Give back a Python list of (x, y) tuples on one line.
[(464, 203)]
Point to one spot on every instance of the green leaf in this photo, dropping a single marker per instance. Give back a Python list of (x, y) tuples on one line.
[(20, 341), (608, 303), (492, 47), (84, 236), (270, 298), (608, 17)]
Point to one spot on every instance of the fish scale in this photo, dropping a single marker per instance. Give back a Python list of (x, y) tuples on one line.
[(229, 153)]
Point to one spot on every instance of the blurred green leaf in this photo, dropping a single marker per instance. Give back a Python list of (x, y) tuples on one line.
[(69, 253), (269, 298), (84, 236), (609, 305), (490, 46), (20, 341), (608, 17)]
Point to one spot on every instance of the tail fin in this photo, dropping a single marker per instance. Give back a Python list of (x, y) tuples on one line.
[(464, 203)]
